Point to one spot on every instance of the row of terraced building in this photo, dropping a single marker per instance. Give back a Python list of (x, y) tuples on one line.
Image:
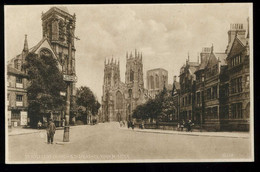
[(214, 92)]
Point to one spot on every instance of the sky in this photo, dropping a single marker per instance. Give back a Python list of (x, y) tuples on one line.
[(164, 33)]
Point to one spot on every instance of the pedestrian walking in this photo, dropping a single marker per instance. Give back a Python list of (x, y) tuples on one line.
[(182, 125), (51, 128), (133, 125), (39, 125), (63, 122), (189, 124)]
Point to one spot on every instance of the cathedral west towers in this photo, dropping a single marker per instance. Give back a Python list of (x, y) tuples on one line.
[(120, 99)]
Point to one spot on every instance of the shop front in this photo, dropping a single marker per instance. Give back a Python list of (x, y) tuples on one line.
[(17, 117)]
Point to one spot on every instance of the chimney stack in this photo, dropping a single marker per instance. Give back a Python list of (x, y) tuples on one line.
[(236, 28)]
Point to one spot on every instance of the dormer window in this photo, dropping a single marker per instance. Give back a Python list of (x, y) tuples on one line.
[(236, 60)]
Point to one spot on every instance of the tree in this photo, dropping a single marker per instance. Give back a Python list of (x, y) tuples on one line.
[(45, 84), (87, 102), (158, 108), (140, 112)]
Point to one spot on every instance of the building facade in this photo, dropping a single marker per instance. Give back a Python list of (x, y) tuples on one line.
[(120, 99), (219, 96), (156, 80), (17, 83), (239, 78), (55, 44), (207, 100), (176, 99), (187, 90)]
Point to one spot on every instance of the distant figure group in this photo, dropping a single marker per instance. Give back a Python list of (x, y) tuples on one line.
[(130, 124), (187, 125)]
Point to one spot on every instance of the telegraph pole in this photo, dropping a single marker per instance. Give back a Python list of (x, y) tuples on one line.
[(69, 78)]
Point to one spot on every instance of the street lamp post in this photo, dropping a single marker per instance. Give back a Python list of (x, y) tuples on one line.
[(69, 78), (67, 113)]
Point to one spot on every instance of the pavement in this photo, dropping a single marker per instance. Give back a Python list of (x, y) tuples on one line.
[(21, 131), (107, 142), (196, 133)]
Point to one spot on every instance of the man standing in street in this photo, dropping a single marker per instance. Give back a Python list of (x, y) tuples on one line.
[(51, 128)]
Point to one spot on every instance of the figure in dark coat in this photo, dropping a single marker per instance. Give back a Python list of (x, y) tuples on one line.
[(132, 124), (51, 128), (189, 124)]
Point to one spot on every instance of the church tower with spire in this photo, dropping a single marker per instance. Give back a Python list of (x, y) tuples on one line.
[(24, 52)]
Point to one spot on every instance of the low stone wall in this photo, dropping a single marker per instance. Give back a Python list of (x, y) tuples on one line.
[(234, 125), (160, 125), (211, 125)]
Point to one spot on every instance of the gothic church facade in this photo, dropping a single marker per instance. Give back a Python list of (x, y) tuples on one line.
[(120, 99)]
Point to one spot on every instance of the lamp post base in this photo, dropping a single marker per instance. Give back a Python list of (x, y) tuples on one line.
[(66, 134)]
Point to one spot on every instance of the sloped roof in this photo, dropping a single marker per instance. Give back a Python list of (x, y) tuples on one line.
[(34, 48), (63, 8), (243, 40), (222, 58), (204, 63), (229, 46), (15, 71), (192, 69), (193, 63)]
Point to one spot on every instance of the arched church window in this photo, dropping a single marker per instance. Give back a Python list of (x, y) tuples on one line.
[(109, 79), (131, 75), (139, 75), (49, 31), (139, 93), (157, 81), (61, 30), (130, 93), (152, 82), (116, 78), (119, 100)]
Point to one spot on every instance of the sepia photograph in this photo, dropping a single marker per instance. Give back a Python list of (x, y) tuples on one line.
[(129, 83)]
